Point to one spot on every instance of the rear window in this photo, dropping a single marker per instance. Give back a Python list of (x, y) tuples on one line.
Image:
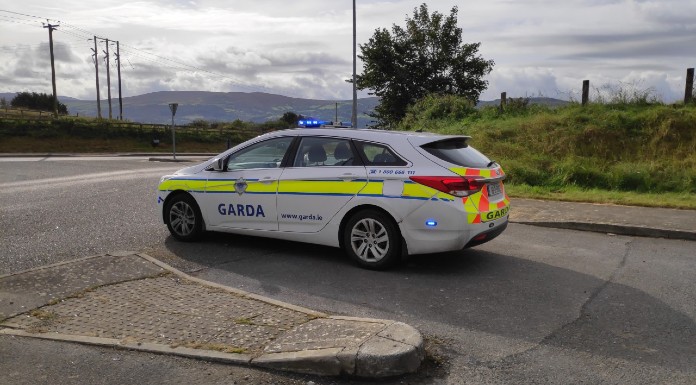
[(458, 152), (378, 155)]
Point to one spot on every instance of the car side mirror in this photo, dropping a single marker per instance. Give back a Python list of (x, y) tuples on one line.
[(219, 165)]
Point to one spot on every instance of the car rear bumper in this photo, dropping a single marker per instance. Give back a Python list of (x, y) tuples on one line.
[(425, 241), (487, 235)]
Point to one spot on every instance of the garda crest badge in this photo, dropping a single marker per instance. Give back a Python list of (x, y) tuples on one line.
[(240, 186)]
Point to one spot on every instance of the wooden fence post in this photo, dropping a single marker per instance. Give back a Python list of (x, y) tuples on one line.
[(689, 91), (503, 100), (585, 91)]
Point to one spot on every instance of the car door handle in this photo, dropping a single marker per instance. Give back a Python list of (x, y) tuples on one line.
[(267, 179), (348, 177)]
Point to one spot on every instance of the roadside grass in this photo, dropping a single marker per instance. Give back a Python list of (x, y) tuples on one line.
[(634, 153)]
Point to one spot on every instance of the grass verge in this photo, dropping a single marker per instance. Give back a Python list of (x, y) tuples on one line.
[(628, 198)]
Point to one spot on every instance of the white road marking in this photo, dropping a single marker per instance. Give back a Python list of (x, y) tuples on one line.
[(39, 184)]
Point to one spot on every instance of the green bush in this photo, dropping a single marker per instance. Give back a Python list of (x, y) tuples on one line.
[(435, 107)]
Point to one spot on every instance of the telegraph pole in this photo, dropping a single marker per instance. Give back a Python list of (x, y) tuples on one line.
[(354, 116), (96, 70), (172, 108), (51, 27), (108, 75), (120, 99)]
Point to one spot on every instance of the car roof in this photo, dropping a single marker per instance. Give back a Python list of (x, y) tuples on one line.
[(369, 134)]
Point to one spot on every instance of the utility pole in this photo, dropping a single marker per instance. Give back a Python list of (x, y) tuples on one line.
[(51, 27), (120, 99), (96, 71), (108, 75), (354, 116), (172, 108)]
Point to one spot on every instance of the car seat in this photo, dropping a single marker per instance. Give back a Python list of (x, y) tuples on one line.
[(317, 154), (342, 154)]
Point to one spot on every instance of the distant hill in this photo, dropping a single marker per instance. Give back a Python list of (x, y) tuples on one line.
[(218, 106), (229, 106)]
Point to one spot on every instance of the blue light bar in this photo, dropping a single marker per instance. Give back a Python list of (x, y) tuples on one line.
[(431, 223), (310, 123)]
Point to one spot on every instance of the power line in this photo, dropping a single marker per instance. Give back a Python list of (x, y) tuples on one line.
[(159, 59), (23, 14), (16, 20)]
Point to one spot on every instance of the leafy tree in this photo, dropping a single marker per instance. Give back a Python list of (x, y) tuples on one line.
[(427, 56), (36, 101), (3, 103), (290, 118)]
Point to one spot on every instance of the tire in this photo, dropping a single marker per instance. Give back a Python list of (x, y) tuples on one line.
[(372, 240), (184, 219)]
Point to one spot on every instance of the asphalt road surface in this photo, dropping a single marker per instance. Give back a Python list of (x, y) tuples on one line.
[(535, 305)]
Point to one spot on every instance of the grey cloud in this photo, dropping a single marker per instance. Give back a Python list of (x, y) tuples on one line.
[(64, 53), (683, 46), (572, 40)]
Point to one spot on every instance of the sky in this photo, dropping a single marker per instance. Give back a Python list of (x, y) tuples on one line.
[(304, 48)]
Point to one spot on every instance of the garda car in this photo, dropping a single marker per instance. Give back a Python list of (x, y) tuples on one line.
[(376, 194)]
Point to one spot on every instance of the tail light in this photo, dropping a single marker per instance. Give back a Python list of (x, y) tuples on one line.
[(457, 186)]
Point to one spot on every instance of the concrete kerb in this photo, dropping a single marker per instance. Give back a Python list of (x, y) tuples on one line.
[(167, 160), (389, 348), (208, 355)]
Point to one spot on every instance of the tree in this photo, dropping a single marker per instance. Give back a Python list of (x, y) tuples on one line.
[(290, 118), (428, 56), (36, 101)]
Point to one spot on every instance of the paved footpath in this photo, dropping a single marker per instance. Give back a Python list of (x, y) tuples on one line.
[(133, 301), (606, 218)]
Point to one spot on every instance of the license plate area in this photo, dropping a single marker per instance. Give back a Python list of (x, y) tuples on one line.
[(494, 189)]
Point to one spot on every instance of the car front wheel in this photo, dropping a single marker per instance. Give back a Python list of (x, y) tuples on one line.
[(371, 238), (184, 218)]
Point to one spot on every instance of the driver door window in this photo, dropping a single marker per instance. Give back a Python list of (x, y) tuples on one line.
[(268, 154)]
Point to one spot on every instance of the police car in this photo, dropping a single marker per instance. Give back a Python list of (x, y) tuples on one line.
[(376, 194)]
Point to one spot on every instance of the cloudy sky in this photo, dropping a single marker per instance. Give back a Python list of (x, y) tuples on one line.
[(303, 48)]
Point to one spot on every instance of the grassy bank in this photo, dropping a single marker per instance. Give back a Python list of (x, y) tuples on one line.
[(643, 149), (626, 153)]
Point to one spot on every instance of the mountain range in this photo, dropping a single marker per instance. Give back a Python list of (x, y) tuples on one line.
[(229, 106)]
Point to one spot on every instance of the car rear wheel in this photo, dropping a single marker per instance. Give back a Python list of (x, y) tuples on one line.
[(372, 239), (184, 218)]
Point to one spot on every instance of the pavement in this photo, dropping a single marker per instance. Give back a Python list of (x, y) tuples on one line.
[(606, 218), (132, 301)]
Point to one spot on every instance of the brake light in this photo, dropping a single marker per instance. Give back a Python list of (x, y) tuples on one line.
[(457, 186)]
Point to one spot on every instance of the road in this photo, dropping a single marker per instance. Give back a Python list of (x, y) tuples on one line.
[(535, 305)]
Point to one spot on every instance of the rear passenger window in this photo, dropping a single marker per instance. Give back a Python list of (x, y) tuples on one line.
[(319, 151), (458, 152), (378, 155)]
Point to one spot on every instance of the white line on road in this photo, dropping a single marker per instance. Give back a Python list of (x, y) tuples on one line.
[(39, 184)]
